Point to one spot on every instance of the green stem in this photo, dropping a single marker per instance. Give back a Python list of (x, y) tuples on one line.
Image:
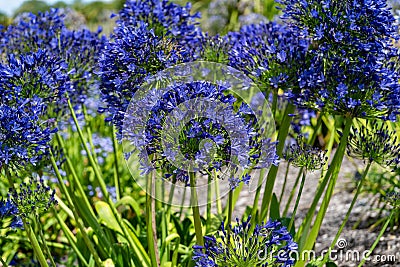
[(269, 186), (307, 239), (292, 192), (65, 192), (151, 235), (132, 240), (254, 209), (284, 183), (117, 182), (303, 179), (196, 211), (346, 218), (378, 238), (230, 209), (35, 244), (46, 248), (209, 200), (217, 193)]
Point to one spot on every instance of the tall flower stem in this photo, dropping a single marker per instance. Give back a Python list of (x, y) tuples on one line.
[(133, 241), (378, 237), (35, 244), (117, 180), (254, 209), (346, 218), (150, 221), (303, 179), (284, 183), (31, 235), (307, 238), (195, 208), (230, 210), (292, 192), (65, 192), (269, 186), (46, 248)]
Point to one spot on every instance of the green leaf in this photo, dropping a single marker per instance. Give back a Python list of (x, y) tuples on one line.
[(274, 209), (107, 217)]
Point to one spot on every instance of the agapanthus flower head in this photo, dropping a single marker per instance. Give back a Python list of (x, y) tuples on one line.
[(37, 74), (304, 155), (349, 67), (32, 198), (268, 244), (24, 134), (393, 198), (165, 18), (9, 215), (47, 31), (374, 142), (270, 53), (195, 127)]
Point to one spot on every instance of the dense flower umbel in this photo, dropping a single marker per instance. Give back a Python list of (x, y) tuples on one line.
[(270, 53), (30, 75), (268, 244), (374, 142), (220, 132), (349, 67), (9, 215), (47, 31), (32, 198), (306, 156), (150, 36), (24, 135)]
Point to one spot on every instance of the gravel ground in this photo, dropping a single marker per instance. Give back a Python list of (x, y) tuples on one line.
[(387, 253)]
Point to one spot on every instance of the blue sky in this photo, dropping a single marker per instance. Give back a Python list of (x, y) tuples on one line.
[(8, 6)]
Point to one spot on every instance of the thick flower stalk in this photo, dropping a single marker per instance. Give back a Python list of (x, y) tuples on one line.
[(269, 244)]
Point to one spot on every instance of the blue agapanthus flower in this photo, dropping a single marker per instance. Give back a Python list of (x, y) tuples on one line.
[(150, 36), (47, 31), (24, 134), (37, 74), (349, 67), (269, 244), (198, 127), (9, 215), (270, 53)]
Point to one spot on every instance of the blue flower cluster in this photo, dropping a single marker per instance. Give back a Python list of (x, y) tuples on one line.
[(268, 244), (32, 198), (9, 211), (349, 67), (270, 53), (150, 36), (30, 85), (47, 31), (224, 133)]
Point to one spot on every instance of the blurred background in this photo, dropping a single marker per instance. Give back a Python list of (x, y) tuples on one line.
[(218, 16)]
